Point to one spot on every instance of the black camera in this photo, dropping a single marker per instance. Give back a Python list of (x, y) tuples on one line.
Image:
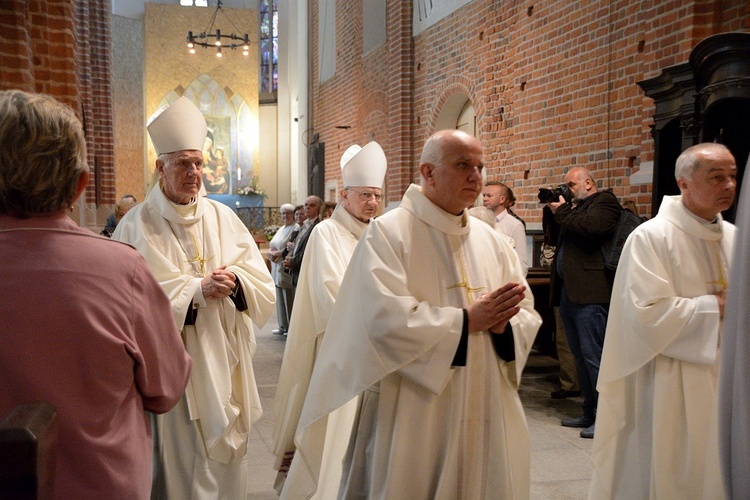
[(552, 195)]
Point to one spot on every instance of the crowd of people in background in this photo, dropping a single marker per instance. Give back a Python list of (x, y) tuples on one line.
[(407, 332)]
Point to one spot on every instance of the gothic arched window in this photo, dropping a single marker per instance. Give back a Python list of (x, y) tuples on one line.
[(269, 50)]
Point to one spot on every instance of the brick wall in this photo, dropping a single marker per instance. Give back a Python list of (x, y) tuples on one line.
[(553, 85), (93, 23), (38, 48), (62, 48)]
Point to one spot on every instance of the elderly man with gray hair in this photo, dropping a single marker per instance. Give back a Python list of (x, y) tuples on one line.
[(211, 269), (657, 424)]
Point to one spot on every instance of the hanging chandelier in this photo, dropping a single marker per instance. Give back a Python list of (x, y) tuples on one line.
[(213, 37)]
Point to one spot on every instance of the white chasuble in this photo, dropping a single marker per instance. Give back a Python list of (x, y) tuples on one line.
[(327, 255), (656, 428), (441, 431), (181, 244)]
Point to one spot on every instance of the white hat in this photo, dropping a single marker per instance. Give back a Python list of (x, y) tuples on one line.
[(363, 166), (181, 126)]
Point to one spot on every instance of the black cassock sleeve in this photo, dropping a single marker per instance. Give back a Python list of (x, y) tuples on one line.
[(238, 298), (460, 358), (504, 343)]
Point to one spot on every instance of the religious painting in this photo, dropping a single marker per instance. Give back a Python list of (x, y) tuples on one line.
[(228, 162), (217, 156)]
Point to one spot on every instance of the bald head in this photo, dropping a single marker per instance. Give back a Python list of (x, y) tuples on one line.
[(312, 207), (581, 183), (451, 169), (707, 177), (690, 159)]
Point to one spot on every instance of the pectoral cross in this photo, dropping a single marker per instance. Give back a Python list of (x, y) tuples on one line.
[(469, 290), (464, 284), (199, 259), (722, 282), (201, 262)]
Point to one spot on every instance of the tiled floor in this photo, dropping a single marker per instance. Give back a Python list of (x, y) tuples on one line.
[(560, 459)]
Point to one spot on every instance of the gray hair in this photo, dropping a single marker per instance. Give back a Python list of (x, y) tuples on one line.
[(167, 158), (484, 214), (432, 152), (434, 148), (287, 207), (690, 159), (42, 154)]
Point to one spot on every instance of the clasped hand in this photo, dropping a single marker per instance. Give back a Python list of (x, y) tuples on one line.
[(219, 284), (721, 297), (493, 310)]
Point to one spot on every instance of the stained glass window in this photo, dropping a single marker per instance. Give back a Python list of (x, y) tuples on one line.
[(269, 49)]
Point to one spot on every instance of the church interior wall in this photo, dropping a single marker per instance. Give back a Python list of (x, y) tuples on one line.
[(268, 152), (227, 88), (366, 98), (62, 48), (127, 77), (553, 85)]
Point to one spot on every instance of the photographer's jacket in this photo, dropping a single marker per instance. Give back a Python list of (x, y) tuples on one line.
[(583, 231)]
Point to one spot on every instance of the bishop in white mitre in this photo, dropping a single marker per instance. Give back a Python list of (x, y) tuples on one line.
[(329, 249), (214, 275)]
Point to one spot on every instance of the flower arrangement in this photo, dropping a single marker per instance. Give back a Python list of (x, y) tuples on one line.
[(270, 231), (252, 188)]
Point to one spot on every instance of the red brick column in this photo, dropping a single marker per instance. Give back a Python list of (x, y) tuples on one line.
[(400, 91), (62, 48)]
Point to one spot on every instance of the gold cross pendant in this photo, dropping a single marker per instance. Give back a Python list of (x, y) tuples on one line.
[(202, 262), (469, 290), (722, 282)]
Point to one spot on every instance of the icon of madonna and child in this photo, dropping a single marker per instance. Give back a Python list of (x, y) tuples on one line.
[(215, 167)]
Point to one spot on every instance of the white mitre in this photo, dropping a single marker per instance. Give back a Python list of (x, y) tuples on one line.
[(179, 127), (363, 166)]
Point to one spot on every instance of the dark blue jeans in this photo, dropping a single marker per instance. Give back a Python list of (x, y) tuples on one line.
[(584, 327)]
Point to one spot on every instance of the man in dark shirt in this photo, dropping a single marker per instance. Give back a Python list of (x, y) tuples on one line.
[(581, 283)]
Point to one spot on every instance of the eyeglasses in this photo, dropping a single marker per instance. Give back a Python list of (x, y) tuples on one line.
[(367, 195)]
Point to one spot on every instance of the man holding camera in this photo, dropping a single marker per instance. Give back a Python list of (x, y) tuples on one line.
[(580, 283)]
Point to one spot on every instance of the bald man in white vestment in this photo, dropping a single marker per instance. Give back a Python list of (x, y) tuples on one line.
[(327, 255), (734, 378), (656, 434), (214, 275), (433, 312)]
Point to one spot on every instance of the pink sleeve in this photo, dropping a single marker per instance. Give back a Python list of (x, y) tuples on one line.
[(162, 364)]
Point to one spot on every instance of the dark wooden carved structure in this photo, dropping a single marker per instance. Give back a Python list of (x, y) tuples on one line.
[(704, 100)]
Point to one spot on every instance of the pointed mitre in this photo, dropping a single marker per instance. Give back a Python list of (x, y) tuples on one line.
[(179, 127), (363, 166)]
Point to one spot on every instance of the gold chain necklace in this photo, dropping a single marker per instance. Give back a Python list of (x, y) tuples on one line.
[(199, 261)]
